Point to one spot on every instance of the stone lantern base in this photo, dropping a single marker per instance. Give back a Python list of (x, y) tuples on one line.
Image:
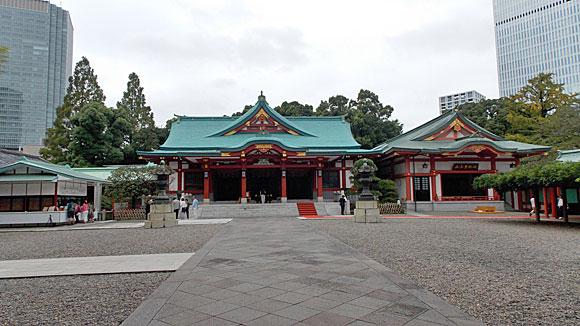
[(162, 216), (367, 212)]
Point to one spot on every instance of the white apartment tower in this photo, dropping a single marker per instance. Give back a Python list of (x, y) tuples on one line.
[(537, 36), (449, 102)]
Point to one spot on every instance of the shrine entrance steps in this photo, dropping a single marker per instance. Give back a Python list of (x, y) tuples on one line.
[(235, 210)]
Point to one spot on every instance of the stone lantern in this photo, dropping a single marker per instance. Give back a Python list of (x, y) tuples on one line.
[(367, 209), (161, 214)]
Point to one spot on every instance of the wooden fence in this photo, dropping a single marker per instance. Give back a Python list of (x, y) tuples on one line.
[(390, 208), (124, 214)]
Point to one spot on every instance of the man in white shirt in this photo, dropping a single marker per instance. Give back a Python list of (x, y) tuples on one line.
[(176, 207), (560, 207), (533, 203)]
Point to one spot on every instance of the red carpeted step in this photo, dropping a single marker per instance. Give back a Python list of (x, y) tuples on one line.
[(306, 209)]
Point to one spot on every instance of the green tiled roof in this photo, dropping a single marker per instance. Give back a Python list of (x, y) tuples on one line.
[(414, 140), (101, 173), (569, 156), (59, 170), (26, 177), (207, 135)]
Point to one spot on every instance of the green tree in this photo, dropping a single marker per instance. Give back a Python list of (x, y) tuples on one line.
[(131, 183), (542, 96), (3, 56), (97, 135), (489, 114), (83, 89), (335, 106), (294, 109), (142, 135), (369, 120), (246, 109)]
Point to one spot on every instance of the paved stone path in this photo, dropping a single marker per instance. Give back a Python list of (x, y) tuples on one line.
[(281, 271), (92, 265)]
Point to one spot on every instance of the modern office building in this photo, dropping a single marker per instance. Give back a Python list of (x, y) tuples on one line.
[(34, 79), (449, 102), (537, 36)]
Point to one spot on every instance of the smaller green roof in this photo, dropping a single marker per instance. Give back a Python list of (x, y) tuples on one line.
[(27, 177), (59, 170), (569, 156), (102, 172)]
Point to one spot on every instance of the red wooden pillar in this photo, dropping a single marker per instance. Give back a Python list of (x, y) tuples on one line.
[(206, 183), (408, 178), (433, 179), (56, 195), (520, 202), (179, 176), (553, 202), (244, 187), (343, 174), (545, 202), (319, 185), (284, 196)]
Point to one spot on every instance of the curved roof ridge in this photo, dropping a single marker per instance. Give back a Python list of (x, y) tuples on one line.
[(251, 112)]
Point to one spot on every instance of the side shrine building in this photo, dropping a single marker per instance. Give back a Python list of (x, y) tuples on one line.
[(309, 158)]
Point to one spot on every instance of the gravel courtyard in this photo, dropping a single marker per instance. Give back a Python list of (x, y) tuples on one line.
[(87, 299), (502, 272)]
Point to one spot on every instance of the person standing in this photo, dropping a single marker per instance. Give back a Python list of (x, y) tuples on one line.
[(77, 212), (183, 206), (342, 202), (148, 208), (187, 203), (91, 213), (560, 207), (533, 203), (194, 204), (176, 206), (85, 211), (70, 212)]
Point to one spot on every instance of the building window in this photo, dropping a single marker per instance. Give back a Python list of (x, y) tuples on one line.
[(193, 181), (330, 179)]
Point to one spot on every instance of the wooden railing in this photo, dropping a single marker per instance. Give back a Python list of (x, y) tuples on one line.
[(467, 198)]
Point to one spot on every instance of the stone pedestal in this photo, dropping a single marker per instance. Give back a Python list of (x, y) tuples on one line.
[(367, 212), (162, 216)]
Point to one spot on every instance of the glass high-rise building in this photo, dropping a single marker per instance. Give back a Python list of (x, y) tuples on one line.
[(34, 79), (537, 36)]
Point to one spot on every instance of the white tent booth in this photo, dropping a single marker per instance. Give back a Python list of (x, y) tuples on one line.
[(36, 192)]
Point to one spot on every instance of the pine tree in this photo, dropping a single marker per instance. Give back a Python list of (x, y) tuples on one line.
[(83, 89), (142, 135)]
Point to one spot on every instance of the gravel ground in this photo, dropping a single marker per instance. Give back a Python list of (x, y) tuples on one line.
[(104, 242), (91, 299), (75, 300), (503, 272)]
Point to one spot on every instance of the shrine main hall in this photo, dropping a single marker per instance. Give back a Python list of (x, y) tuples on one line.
[(235, 159)]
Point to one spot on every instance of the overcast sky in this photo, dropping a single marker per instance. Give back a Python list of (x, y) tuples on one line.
[(205, 58)]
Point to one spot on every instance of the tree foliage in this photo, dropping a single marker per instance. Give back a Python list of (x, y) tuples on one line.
[(142, 135), (294, 109), (3, 56), (385, 190), (553, 174), (489, 114), (83, 89), (97, 136), (131, 183)]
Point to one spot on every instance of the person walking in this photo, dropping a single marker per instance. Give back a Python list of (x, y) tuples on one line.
[(183, 206), (194, 204), (533, 203), (176, 206), (560, 205), (342, 202), (187, 209)]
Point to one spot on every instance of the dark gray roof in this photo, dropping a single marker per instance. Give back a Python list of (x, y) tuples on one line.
[(8, 157)]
